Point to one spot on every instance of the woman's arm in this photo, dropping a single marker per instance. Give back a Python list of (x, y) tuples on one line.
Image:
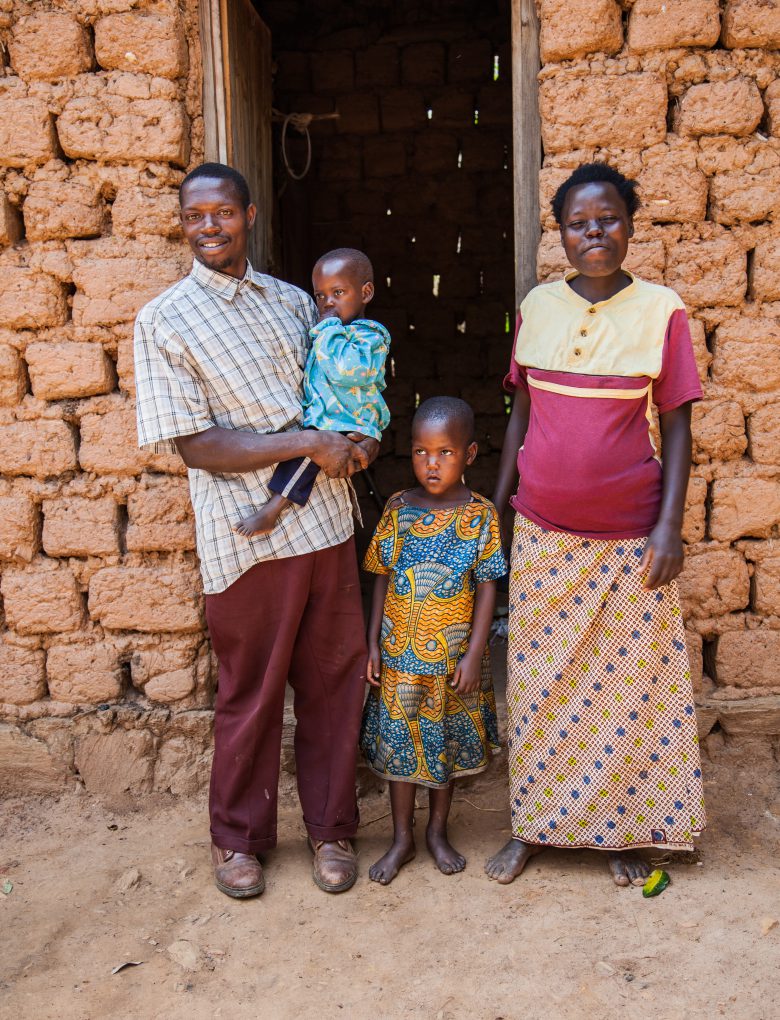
[(235, 450), (507, 468), (468, 672), (375, 627), (663, 555)]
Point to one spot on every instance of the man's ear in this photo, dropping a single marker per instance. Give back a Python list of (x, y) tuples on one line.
[(471, 453), (251, 215), (367, 292)]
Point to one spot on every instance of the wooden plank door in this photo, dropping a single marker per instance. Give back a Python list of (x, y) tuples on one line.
[(527, 143), (236, 46)]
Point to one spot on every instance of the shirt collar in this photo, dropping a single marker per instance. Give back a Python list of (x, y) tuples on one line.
[(573, 296), (220, 283)]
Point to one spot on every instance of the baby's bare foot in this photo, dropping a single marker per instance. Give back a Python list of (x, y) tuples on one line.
[(264, 520), (387, 867), (506, 865), (448, 860), (628, 868)]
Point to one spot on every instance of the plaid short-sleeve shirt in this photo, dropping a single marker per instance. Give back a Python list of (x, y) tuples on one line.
[(214, 350)]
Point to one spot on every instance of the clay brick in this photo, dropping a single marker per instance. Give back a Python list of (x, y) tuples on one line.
[(42, 598), (744, 507), (69, 370), (747, 353), (751, 24), (359, 114), (13, 378), (384, 157), (112, 290), (666, 24), (718, 431), (572, 28), (27, 135), (333, 71), (83, 673), (59, 209), (672, 192), (10, 222), (767, 587), (21, 674), (470, 60), (695, 515), (75, 526), (708, 272), (738, 196), (124, 130), (151, 43), (422, 64), (748, 658), (647, 259), (114, 763), (172, 686), (376, 66), (160, 516), (772, 101), (49, 45), (600, 109), (19, 532), (27, 766), (700, 350), (403, 110), (694, 645), (30, 300), (41, 449), (109, 445), (153, 599), (720, 108), (434, 153), (481, 152), (764, 431), (714, 583), (765, 275), (291, 72)]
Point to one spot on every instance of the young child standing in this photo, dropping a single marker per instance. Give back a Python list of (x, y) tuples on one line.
[(431, 715), (343, 379)]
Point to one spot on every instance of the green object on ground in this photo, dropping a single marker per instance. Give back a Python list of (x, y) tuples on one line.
[(656, 882), (6, 887)]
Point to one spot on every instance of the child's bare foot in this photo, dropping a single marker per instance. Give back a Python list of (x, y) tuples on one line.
[(386, 868), (264, 520), (506, 865), (448, 860), (628, 868)]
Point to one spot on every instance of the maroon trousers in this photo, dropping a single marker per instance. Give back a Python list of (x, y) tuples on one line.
[(298, 619)]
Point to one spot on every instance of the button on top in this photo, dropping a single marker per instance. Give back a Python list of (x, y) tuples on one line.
[(592, 311), (577, 352), (583, 332)]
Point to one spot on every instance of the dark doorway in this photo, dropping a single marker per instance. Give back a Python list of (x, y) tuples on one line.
[(417, 171)]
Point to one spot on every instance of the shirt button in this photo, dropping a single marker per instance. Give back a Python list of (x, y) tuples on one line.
[(592, 311), (577, 352), (583, 332)]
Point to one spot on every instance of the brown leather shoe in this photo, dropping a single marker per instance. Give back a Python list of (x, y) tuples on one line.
[(236, 874), (335, 865)]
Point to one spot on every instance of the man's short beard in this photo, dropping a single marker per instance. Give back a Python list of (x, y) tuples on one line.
[(218, 267)]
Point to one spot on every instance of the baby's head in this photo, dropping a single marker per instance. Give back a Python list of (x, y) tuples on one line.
[(442, 443), (594, 208), (343, 282)]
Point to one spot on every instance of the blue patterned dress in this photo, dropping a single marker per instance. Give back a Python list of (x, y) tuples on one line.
[(416, 728)]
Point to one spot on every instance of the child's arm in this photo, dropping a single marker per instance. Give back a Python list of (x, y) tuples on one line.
[(663, 553), (468, 672), (374, 628), (514, 438)]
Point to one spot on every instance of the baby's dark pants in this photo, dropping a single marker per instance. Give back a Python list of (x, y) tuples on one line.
[(298, 619)]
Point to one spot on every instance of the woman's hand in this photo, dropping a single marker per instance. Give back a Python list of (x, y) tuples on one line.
[(663, 556), (373, 664), (468, 673)]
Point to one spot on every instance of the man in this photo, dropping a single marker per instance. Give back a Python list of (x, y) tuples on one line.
[(219, 368)]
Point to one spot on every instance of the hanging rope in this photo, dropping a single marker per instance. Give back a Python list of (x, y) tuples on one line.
[(301, 122)]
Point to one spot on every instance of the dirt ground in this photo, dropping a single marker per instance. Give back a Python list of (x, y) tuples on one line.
[(94, 887)]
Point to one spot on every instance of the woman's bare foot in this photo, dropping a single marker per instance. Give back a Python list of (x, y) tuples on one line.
[(448, 860), (387, 867), (264, 521), (628, 868), (506, 865)]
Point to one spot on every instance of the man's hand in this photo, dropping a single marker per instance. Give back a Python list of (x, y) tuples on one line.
[(663, 556), (369, 445), (338, 456), (468, 673)]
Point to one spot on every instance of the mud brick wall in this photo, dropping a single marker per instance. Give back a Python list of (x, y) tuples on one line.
[(417, 172), (104, 667), (685, 97)]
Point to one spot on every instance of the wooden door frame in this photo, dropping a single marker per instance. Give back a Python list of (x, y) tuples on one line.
[(215, 116)]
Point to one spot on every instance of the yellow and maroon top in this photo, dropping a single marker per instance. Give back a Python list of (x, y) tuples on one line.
[(593, 372)]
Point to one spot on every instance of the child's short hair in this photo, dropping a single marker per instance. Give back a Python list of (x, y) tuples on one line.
[(596, 173), (446, 411), (358, 261)]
